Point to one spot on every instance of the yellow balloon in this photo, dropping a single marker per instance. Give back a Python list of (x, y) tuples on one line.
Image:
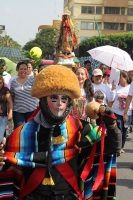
[(37, 51)]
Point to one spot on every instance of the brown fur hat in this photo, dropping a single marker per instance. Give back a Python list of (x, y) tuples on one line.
[(56, 79), (92, 109)]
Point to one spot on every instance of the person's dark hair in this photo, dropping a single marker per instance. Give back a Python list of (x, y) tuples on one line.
[(87, 61), (2, 62), (92, 78), (21, 63), (102, 64), (41, 65), (88, 87), (125, 75), (28, 62)]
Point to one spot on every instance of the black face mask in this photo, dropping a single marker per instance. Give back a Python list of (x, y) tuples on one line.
[(48, 115)]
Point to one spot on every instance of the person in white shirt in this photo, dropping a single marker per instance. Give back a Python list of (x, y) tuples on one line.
[(102, 92), (30, 69), (128, 102), (119, 103), (6, 75)]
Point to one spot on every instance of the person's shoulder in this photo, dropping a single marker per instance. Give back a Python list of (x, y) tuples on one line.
[(7, 74), (31, 78), (14, 77), (131, 85), (30, 125), (5, 89), (105, 86), (13, 81)]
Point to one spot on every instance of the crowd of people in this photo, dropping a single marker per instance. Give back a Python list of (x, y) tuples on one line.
[(57, 113)]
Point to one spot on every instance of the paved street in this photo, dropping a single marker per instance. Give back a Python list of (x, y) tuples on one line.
[(124, 189)]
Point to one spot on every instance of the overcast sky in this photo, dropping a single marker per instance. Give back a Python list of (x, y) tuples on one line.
[(23, 17)]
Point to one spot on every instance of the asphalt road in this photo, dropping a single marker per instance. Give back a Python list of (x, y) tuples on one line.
[(124, 187)]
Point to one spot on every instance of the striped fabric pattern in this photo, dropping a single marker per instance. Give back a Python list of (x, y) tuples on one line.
[(23, 102), (22, 144), (10, 183), (107, 188)]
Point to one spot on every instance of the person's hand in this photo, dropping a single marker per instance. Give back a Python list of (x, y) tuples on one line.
[(2, 157), (94, 135), (9, 117), (102, 110), (113, 86), (125, 117)]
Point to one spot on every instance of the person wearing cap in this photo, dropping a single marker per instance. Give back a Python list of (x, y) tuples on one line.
[(102, 92), (5, 74), (46, 152)]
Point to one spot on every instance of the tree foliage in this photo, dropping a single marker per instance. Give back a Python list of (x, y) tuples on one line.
[(7, 41), (45, 40), (123, 40)]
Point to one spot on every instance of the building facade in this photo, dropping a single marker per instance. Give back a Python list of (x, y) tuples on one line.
[(101, 16)]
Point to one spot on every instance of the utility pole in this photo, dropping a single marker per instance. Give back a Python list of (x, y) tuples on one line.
[(98, 31)]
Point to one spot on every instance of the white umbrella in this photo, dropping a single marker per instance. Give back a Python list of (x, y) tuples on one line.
[(112, 57)]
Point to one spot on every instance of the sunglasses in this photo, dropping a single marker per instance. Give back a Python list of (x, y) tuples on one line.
[(103, 68), (107, 75)]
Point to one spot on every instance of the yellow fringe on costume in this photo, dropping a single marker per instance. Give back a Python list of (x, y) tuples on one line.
[(59, 139), (48, 181)]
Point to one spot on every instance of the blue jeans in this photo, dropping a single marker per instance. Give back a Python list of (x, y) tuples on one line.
[(3, 124), (20, 118), (123, 129), (131, 118)]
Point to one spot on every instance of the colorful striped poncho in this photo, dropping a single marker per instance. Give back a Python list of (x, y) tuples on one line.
[(22, 145)]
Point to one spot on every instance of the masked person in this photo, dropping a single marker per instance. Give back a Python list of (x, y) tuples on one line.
[(42, 157)]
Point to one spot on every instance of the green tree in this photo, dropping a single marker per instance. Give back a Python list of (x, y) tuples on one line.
[(123, 40), (45, 40), (7, 41)]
